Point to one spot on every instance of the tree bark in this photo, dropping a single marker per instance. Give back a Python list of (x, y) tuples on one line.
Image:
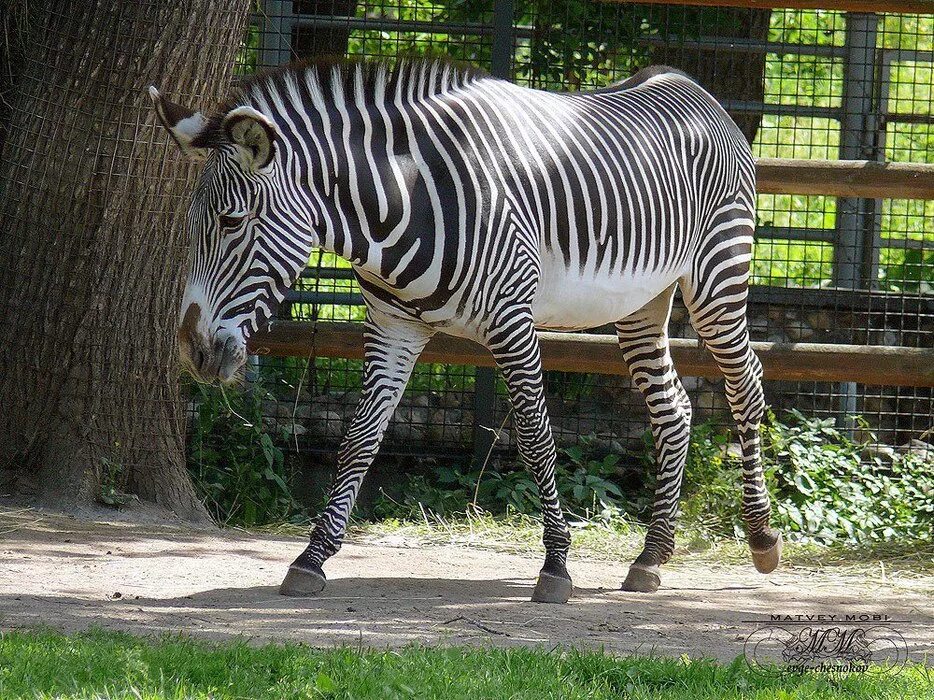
[(15, 18), (728, 75), (93, 199)]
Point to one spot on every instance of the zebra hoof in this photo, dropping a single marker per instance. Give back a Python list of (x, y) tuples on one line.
[(552, 589), (642, 579), (301, 582), (766, 560)]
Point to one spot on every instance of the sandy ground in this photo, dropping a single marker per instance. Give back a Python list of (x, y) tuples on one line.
[(73, 574)]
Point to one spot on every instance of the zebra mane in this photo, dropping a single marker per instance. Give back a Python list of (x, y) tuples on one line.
[(332, 74), (333, 77)]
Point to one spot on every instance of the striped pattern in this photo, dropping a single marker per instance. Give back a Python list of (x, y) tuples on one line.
[(472, 206)]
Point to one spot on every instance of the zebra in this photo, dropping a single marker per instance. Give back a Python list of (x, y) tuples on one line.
[(473, 206)]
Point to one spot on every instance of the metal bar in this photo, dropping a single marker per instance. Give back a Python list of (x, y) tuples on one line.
[(275, 32), (861, 301), (392, 24), (501, 60), (321, 298), (795, 233), (906, 118), (905, 243), (716, 43), (484, 414), (908, 55), (857, 141), (754, 107), (599, 354), (328, 273), (503, 50)]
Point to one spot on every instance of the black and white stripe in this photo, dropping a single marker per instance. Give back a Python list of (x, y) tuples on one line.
[(472, 206)]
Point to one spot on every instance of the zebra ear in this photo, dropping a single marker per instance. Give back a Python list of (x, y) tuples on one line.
[(182, 124), (254, 134)]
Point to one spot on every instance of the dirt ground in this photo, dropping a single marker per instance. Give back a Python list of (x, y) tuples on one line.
[(73, 574)]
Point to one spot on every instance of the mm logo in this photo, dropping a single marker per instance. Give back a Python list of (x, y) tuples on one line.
[(842, 645)]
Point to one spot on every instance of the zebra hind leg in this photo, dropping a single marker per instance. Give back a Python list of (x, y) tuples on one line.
[(719, 317), (391, 348), (729, 344), (643, 338), (515, 348)]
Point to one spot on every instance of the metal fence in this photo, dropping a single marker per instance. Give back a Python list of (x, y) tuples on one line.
[(801, 83)]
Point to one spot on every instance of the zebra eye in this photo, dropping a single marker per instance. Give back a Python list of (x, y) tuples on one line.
[(229, 221)]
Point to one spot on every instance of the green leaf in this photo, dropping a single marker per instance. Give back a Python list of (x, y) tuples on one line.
[(272, 476), (325, 684), (805, 483)]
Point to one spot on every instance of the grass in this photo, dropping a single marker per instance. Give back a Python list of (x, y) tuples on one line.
[(106, 665)]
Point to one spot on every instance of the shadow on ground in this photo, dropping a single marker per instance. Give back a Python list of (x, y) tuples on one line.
[(74, 575)]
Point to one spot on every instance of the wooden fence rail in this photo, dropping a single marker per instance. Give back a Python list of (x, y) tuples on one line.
[(895, 6), (845, 178), (599, 354)]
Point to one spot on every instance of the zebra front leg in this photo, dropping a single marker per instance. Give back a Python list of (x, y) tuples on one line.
[(643, 338), (391, 347), (516, 350)]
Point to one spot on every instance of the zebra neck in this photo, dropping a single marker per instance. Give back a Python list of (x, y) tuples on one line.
[(353, 131), (363, 189)]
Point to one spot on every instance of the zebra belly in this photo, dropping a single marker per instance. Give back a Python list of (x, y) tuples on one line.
[(570, 300)]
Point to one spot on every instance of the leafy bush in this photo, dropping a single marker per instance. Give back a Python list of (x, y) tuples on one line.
[(712, 491), (238, 469), (586, 479), (828, 489), (824, 487)]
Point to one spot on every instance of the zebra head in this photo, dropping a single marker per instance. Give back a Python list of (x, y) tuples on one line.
[(249, 238)]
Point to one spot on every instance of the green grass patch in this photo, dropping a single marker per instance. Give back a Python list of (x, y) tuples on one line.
[(109, 665)]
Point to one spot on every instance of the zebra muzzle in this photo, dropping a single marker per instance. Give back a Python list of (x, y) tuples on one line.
[(218, 360)]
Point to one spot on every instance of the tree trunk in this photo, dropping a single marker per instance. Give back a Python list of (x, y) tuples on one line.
[(15, 18), (728, 75), (93, 199)]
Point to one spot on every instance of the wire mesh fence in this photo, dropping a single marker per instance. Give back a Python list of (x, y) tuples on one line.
[(809, 84)]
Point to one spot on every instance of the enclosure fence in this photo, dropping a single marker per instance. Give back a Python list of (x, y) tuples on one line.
[(835, 97)]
